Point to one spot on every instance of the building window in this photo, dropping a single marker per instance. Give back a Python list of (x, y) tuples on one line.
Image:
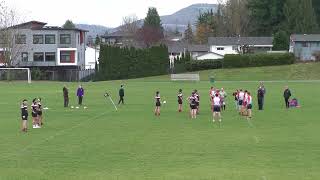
[(304, 44), (65, 56), (65, 39), (50, 39), (21, 39), (50, 56), (220, 48), (38, 56), (24, 56), (37, 39)]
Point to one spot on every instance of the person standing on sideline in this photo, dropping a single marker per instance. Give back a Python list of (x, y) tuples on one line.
[(180, 100), (80, 94), (24, 115), (261, 93), (121, 95), (158, 104), (287, 95), (65, 96)]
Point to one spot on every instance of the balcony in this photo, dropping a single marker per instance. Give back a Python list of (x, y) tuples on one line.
[(36, 63)]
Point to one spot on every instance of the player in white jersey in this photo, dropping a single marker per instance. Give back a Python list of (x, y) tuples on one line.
[(241, 100), (249, 105), (223, 96), (216, 103)]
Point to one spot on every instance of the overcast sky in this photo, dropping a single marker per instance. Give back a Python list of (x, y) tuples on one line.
[(103, 12)]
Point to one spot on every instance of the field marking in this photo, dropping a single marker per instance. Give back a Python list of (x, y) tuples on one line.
[(256, 139), (273, 81), (56, 134), (264, 178)]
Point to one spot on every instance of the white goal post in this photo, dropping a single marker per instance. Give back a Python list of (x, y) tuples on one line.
[(185, 77), (26, 69)]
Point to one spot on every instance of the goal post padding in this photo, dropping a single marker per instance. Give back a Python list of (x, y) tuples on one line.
[(15, 74), (185, 77)]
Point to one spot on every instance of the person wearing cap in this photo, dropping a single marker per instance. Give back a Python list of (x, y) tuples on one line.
[(121, 95)]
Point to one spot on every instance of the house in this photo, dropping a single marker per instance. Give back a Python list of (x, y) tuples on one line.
[(235, 45), (60, 51), (117, 38), (305, 46)]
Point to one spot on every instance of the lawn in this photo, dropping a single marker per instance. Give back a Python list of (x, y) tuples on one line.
[(100, 143)]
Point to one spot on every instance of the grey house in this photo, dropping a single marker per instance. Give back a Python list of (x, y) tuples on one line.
[(49, 48), (304, 46)]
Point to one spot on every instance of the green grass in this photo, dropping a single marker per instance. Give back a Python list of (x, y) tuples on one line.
[(100, 143), (300, 71)]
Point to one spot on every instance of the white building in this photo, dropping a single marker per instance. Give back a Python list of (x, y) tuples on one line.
[(92, 55)]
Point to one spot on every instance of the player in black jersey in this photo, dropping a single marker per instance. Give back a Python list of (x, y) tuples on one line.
[(193, 105), (180, 100), (158, 104), (34, 113), (39, 112), (197, 100), (24, 115)]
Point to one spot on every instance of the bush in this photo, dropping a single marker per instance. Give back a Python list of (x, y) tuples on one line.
[(197, 65), (36, 74), (257, 60)]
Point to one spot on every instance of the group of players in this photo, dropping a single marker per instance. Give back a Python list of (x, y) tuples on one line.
[(36, 113), (217, 97)]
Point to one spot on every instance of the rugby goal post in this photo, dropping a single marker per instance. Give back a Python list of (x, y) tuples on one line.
[(185, 77), (18, 73)]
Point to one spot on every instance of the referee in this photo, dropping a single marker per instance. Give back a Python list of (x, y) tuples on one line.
[(121, 95)]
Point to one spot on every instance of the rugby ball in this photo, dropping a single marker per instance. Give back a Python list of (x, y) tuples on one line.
[(72, 107), (77, 107), (164, 102)]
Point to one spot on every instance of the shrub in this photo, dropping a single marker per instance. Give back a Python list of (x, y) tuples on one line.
[(256, 60), (197, 65), (36, 74)]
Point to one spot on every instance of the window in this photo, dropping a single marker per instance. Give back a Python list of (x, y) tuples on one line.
[(304, 44), (24, 56), (65, 56), (50, 39), (37, 39), (21, 39), (65, 39), (220, 48), (38, 56), (50, 56)]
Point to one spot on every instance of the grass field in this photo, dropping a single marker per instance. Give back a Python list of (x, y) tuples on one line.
[(100, 143)]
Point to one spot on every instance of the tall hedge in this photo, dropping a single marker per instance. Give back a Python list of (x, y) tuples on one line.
[(126, 63), (256, 60)]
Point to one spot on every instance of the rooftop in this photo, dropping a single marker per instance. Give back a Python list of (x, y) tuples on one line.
[(305, 37), (222, 41)]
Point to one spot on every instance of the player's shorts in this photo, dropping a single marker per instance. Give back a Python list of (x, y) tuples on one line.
[(249, 106), (34, 114), (216, 109), (193, 106), (197, 103), (39, 113), (240, 102), (24, 117), (180, 101), (158, 104)]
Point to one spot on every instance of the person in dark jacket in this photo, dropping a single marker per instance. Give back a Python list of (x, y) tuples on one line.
[(65, 96), (261, 93), (287, 95), (121, 94), (80, 94)]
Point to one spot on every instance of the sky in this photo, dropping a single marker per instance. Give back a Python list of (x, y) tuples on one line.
[(101, 12)]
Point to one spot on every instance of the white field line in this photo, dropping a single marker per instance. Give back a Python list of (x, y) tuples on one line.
[(274, 81), (57, 134)]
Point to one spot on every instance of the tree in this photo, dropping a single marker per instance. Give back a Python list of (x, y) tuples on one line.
[(316, 6), (300, 17), (152, 30), (130, 25), (9, 33), (188, 34), (205, 26), (281, 41), (69, 25), (265, 16), (97, 41), (90, 40)]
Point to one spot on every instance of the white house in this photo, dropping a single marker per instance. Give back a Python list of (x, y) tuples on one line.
[(92, 55), (234, 45)]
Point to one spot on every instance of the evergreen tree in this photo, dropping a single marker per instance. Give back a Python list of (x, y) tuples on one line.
[(152, 30), (281, 41), (316, 6), (300, 17), (97, 41), (188, 34), (69, 25)]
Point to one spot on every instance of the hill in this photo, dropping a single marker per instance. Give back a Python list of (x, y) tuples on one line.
[(94, 29), (182, 17)]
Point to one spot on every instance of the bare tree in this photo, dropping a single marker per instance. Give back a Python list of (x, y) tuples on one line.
[(130, 25), (9, 35)]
